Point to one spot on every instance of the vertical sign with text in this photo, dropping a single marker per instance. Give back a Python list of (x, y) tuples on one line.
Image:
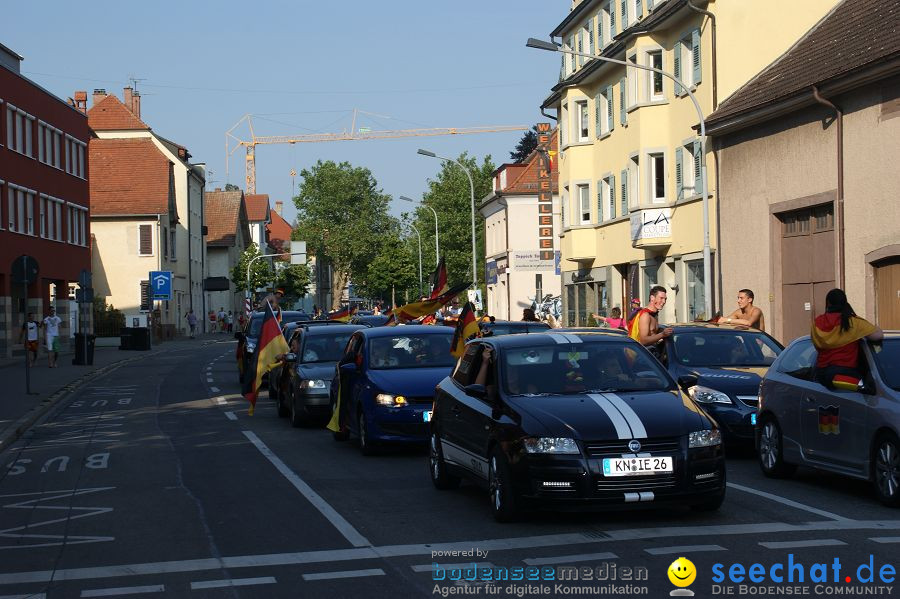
[(545, 193)]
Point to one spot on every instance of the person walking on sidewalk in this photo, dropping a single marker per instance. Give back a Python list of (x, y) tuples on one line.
[(30, 334), (192, 322), (51, 332)]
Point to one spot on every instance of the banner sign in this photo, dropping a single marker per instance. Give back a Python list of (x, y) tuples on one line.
[(545, 193), (530, 261)]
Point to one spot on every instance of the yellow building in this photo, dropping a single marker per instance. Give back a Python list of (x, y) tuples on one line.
[(630, 160)]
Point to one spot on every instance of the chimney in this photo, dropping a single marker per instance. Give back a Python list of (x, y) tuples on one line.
[(99, 94), (136, 104), (81, 101), (278, 206)]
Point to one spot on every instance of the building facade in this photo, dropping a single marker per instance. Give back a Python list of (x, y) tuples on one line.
[(228, 237), (630, 161), (815, 155), (44, 203)]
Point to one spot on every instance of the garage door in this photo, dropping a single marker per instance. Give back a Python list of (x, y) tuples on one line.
[(887, 293)]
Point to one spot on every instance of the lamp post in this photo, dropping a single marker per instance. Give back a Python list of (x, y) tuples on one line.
[(413, 227), (472, 189), (707, 261), (437, 247)]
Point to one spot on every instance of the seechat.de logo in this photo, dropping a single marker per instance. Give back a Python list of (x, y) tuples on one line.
[(682, 574)]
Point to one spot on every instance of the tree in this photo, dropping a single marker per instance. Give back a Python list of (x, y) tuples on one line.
[(392, 269), (526, 145), (342, 214), (260, 275), (295, 280), (231, 187)]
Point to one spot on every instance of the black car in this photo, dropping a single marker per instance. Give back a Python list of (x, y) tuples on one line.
[(249, 337), (278, 373), (302, 390), (721, 368), (369, 320), (573, 421), (512, 327)]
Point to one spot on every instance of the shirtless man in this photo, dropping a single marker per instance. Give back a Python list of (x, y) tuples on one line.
[(747, 314), (648, 332)]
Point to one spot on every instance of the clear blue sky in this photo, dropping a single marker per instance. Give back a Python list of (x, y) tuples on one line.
[(303, 66)]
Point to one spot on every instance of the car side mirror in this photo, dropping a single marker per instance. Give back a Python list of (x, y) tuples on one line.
[(290, 357), (687, 381), (348, 368), (476, 391)]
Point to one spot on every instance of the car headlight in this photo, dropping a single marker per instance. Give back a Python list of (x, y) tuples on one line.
[(703, 394), (390, 401), (550, 445), (313, 384), (706, 438)]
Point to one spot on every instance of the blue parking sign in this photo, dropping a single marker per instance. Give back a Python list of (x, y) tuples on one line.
[(161, 285)]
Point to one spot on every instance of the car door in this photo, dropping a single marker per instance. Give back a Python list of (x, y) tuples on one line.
[(347, 379), (475, 418), (785, 390), (464, 429)]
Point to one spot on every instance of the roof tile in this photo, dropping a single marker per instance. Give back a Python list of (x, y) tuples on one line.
[(110, 114), (222, 210), (128, 176), (257, 206)]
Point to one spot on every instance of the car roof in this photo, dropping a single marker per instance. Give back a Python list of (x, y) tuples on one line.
[(409, 329), (261, 313), (684, 327), (591, 330), (554, 336), (332, 329)]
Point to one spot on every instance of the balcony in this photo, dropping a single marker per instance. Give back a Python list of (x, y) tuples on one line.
[(651, 228)]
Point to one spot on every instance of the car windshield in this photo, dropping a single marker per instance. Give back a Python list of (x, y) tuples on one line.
[(589, 367), (506, 329), (887, 356), (411, 351), (257, 320), (719, 348), (322, 347)]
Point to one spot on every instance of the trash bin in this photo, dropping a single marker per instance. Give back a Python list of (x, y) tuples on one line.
[(125, 340), (140, 338), (84, 349)]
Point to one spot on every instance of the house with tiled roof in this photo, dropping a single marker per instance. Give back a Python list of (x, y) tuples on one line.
[(515, 272), (147, 214), (278, 231), (808, 161), (258, 213), (228, 235)]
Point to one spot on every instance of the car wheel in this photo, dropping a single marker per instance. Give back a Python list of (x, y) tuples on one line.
[(298, 415), (503, 502), (365, 443), (440, 478), (771, 451), (887, 470)]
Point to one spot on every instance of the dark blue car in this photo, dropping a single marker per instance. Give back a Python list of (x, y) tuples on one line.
[(385, 382), (720, 367)]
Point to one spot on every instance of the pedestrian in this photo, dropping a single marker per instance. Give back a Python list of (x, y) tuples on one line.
[(212, 321), (644, 327), (836, 335), (220, 318), (528, 315), (614, 320), (30, 334), (229, 321), (51, 333), (635, 308), (747, 314), (242, 320), (192, 322)]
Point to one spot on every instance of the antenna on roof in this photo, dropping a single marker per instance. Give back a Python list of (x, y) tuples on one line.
[(134, 82)]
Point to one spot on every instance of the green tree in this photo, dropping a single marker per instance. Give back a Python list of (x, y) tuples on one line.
[(393, 268), (231, 187), (295, 280), (342, 214), (261, 272), (525, 146)]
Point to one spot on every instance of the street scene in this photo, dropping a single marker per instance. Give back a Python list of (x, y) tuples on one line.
[(628, 328)]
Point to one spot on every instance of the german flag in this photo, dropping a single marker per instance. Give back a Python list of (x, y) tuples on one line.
[(416, 310), (829, 420), (466, 329), (344, 314), (634, 330), (439, 283), (271, 345)]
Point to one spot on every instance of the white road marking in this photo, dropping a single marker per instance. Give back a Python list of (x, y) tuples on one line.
[(683, 549), (346, 574), (209, 380), (230, 416), (214, 389), (788, 502), (338, 521), (232, 582), (798, 544), (885, 539), (428, 567), (123, 591), (221, 401), (565, 559)]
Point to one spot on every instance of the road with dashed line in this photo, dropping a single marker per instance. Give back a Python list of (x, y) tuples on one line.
[(154, 481)]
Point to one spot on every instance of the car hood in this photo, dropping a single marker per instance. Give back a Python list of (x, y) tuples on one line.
[(601, 416), (413, 382), (323, 371), (734, 380)]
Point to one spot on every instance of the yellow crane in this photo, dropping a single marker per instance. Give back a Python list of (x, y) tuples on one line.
[(232, 142)]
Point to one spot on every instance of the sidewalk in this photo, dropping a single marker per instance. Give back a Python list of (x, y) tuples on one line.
[(18, 410)]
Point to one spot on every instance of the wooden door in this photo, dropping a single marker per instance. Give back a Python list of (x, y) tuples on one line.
[(887, 294)]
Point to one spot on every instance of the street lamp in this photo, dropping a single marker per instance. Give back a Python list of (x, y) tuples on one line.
[(707, 261), (420, 255), (472, 189), (437, 247)]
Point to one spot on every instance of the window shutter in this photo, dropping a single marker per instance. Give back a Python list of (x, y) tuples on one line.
[(580, 48), (695, 56), (145, 295), (625, 199), (145, 246), (600, 32), (624, 14), (638, 9), (612, 190), (571, 58), (610, 121), (676, 68), (612, 20), (597, 128), (622, 98), (649, 4), (698, 189), (562, 67), (624, 175), (679, 173), (600, 201), (591, 39)]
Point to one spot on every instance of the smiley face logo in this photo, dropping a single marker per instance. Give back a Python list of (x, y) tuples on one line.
[(682, 572)]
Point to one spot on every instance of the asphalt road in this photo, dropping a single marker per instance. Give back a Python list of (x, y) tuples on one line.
[(154, 481)]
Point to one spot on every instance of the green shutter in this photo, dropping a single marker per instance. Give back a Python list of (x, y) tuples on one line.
[(622, 98), (562, 67), (591, 37), (624, 175), (624, 14), (600, 201), (571, 58), (695, 54), (679, 173), (612, 189), (612, 19), (597, 128), (698, 162), (610, 121), (580, 47), (638, 10), (676, 68), (600, 32), (625, 199), (649, 4)]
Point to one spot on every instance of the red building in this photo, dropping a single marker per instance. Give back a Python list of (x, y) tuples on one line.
[(43, 200)]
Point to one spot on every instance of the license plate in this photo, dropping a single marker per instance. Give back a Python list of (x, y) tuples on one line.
[(426, 416), (753, 419), (636, 466)]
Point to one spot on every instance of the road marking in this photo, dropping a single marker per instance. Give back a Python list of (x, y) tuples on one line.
[(798, 544), (230, 416), (788, 502), (214, 389), (338, 521), (123, 591), (346, 574), (428, 567), (683, 549), (209, 380), (221, 401), (232, 582), (885, 539), (565, 559), (419, 549)]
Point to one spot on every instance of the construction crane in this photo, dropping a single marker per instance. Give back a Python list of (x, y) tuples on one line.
[(352, 134)]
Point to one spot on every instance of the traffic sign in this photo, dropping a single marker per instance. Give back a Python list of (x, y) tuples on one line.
[(161, 285), (84, 278), (84, 296), (24, 270)]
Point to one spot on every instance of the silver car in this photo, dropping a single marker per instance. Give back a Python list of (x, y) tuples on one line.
[(802, 423)]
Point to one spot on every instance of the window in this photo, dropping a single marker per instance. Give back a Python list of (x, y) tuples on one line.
[(604, 112), (538, 287), (687, 63), (563, 205), (634, 198), (74, 157), (49, 143), (145, 295), (572, 58), (657, 177), (172, 255), (687, 170), (563, 128), (165, 243), (695, 291), (19, 132), (77, 217), (582, 112), (606, 198), (584, 201), (801, 222), (633, 77), (655, 83), (651, 277), (50, 217), (799, 360), (145, 242), (20, 209), (607, 23)]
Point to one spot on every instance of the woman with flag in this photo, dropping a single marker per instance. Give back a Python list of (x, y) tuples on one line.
[(836, 335)]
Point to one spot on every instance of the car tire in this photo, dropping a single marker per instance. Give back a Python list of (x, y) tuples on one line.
[(886, 469), (298, 415), (440, 477), (366, 446), (503, 500), (771, 451)]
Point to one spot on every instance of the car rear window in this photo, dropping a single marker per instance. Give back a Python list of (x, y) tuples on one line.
[(887, 357), (411, 351), (718, 348), (323, 347)]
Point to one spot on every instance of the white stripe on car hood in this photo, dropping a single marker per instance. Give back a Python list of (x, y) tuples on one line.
[(634, 421), (615, 416)]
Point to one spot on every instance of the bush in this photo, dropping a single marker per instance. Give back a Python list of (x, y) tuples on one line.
[(107, 319)]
